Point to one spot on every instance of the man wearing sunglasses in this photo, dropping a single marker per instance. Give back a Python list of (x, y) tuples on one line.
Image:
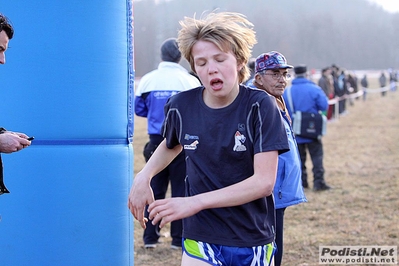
[(271, 75)]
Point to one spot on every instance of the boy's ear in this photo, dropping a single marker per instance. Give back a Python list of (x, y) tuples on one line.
[(240, 66)]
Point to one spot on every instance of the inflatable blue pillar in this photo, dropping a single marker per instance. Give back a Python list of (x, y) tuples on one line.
[(68, 81)]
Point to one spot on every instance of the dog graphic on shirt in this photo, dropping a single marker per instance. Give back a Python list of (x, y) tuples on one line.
[(239, 139)]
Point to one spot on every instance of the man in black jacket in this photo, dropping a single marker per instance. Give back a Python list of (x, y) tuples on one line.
[(9, 141)]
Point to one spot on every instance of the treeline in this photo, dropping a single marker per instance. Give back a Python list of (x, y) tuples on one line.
[(352, 34)]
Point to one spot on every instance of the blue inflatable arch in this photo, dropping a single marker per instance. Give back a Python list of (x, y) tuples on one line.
[(68, 81)]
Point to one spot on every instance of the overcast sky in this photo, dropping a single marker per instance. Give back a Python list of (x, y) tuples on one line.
[(389, 5)]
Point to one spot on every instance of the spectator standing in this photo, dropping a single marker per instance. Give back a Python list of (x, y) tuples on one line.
[(353, 81), (352, 86), (393, 78), (341, 90), (365, 84), (308, 97), (153, 91), (272, 75), (335, 74), (383, 82), (231, 136), (9, 141), (326, 83)]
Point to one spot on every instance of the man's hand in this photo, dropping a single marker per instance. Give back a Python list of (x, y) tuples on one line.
[(13, 141)]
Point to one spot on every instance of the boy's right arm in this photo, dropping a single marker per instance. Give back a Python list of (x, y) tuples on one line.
[(141, 193)]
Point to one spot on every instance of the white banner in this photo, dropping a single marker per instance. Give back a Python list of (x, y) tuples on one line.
[(358, 255)]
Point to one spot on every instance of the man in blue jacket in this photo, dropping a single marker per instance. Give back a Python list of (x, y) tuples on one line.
[(271, 75), (308, 97)]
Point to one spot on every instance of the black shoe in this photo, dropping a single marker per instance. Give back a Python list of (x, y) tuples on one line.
[(305, 184), (321, 187)]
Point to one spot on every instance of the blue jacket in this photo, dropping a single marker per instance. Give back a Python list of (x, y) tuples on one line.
[(288, 189), (306, 97)]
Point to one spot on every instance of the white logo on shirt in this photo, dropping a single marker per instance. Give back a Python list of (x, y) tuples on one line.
[(239, 140), (192, 146)]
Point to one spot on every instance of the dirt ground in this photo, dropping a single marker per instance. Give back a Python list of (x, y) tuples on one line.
[(362, 165)]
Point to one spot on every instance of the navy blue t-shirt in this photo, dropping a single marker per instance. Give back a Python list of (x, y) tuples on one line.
[(220, 145)]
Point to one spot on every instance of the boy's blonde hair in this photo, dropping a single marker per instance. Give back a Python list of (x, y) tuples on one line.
[(227, 30)]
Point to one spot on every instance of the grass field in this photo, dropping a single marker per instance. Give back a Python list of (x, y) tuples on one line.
[(362, 165)]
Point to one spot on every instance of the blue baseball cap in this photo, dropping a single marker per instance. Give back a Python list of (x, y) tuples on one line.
[(271, 60)]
